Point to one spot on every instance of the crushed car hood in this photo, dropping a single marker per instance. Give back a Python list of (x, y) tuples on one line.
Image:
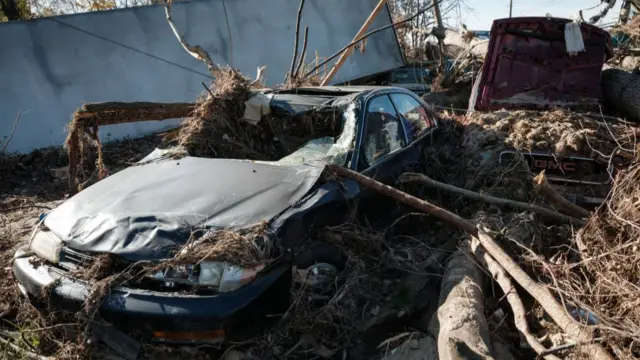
[(146, 211)]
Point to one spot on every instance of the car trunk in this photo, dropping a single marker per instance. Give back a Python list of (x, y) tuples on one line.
[(528, 66)]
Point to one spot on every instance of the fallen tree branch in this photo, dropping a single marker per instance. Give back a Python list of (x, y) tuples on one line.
[(546, 191), (519, 313), (544, 297), (195, 51), (425, 180), (539, 292), (349, 45), (13, 130)]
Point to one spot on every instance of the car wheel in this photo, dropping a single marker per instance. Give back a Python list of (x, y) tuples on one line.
[(319, 265)]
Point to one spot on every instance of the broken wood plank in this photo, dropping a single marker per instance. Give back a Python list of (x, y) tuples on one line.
[(111, 113)]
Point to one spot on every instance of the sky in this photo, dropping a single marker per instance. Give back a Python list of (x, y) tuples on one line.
[(484, 11)]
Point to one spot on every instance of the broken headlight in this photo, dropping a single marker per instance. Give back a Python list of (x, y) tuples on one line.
[(220, 276), (46, 245)]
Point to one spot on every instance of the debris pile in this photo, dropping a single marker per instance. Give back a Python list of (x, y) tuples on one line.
[(216, 127), (599, 275), (83, 140), (560, 132)]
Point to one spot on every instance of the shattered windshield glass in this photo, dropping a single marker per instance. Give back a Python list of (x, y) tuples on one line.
[(327, 149)]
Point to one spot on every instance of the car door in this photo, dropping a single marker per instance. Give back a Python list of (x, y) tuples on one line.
[(380, 154)]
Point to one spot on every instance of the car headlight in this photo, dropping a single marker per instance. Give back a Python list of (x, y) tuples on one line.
[(221, 276), (46, 245)]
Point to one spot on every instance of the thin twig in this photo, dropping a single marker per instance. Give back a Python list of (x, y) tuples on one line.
[(207, 88), (224, 7), (557, 349), (23, 352), (304, 53), (13, 130), (349, 45), (295, 43)]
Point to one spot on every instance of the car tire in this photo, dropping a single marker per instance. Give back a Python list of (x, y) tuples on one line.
[(321, 253), (319, 265)]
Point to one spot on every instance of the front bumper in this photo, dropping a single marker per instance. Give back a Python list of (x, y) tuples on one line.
[(151, 314)]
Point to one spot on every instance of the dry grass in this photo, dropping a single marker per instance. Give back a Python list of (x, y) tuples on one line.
[(559, 131), (217, 129), (246, 248), (605, 279)]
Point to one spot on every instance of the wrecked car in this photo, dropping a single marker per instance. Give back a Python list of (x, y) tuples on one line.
[(170, 204)]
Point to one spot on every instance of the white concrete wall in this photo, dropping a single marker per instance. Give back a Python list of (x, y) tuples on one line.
[(50, 67)]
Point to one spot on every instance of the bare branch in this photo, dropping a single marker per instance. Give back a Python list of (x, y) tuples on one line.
[(349, 45), (195, 51), (304, 53), (13, 130), (295, 43), (259, 75)]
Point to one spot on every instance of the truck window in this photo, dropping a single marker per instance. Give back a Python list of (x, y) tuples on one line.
[(413, 112), (383, 133)]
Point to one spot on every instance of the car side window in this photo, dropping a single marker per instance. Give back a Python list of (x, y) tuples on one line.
[(383, 132), (415, 114)]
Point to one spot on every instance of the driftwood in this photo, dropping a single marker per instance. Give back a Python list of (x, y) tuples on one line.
[(539, 292), (546, 191), (111, 113), (88, 119), (512, 296), (463, 331), (425, 180)]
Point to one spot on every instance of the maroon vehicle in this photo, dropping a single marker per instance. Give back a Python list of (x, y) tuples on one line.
[(528, 66)]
